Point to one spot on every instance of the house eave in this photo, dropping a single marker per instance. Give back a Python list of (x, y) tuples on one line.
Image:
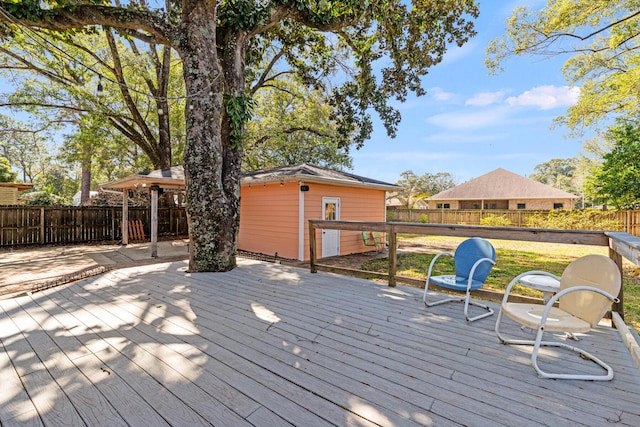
[(275, 179)]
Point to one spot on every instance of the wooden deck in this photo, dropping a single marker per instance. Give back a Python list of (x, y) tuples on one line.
[(270, 345)]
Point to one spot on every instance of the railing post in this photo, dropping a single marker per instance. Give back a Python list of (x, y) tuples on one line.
[(393, 262), (113, 224), (154, 220), (125, 216), (42, 225), (312, 248), (617, 258)]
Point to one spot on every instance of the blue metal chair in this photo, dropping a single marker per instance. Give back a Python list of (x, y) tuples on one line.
[(474, 258)]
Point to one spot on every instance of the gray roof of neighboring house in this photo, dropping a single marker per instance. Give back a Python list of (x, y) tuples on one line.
[(502, 184), (174, 177)]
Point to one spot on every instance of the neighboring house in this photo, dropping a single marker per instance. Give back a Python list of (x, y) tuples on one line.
[(78, 196), (276, 204), (9, 192), (504, 190)]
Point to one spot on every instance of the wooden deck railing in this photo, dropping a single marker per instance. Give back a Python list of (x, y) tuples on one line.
[(620, 244)]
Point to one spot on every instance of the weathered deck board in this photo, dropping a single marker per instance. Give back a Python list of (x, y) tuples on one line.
[(270, 345), (14, 399)]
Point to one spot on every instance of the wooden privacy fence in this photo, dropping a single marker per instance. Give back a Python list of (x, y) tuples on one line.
[(517, 218), (627, 221), (30, 225), (630, 221)]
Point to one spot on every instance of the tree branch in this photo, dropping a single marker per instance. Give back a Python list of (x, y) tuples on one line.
[(44, 105), (290, 131), (266, 71), (599, 30), (30, 66), (135, 22), (308, 18), (31, 131), (124, 89)]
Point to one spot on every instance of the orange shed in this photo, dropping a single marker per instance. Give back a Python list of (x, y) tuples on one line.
[(276, 204)]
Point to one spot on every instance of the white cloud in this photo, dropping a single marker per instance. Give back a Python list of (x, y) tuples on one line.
[(454, 53), (470, 120), (440, 94), (482, 99), (464, 138), (546, 97)]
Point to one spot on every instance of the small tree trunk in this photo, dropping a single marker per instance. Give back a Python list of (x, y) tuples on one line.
[(85, 185), (85, 179)]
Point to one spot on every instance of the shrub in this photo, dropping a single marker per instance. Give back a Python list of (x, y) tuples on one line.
[(424, 219), (496, 221), (42, 198), (137, 198), (587, 219)]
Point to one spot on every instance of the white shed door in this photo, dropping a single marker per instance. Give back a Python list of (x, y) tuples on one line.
[(330, 238)]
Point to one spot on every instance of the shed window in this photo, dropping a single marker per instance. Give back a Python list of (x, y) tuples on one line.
[(522, 205), (558, 205)]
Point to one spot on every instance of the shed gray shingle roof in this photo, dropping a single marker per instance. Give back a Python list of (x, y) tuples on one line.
[(174, 176), (502, 184), (305, 171)]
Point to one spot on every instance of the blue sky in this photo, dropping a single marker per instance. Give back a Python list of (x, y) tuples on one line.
[(470, 122)]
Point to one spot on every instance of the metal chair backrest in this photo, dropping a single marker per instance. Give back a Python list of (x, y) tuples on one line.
[(470, 251), (597, 271)]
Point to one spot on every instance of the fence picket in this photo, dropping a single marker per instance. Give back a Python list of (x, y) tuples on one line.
[(29, 225)]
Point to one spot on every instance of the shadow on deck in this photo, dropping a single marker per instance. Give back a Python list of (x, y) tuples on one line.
[(269, 344)]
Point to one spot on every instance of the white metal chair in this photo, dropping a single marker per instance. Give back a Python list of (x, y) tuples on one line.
[(588, 286), (474, 258)]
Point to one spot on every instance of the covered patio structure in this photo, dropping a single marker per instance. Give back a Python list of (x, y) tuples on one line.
[(156, 181), (274, 345)]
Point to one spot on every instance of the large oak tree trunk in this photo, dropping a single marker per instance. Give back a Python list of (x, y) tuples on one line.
[(211, 172)]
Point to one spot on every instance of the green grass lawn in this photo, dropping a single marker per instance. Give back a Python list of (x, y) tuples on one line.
[(513, 258)]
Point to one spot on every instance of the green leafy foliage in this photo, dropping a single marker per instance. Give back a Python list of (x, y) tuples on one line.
[(29, 9), (558, 173), (242, 14), (416, 188), (617, 181), (24, 148), (586, 219), (239, 110), (44, 198), (6, 174), (291, 125), (496, 221)]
